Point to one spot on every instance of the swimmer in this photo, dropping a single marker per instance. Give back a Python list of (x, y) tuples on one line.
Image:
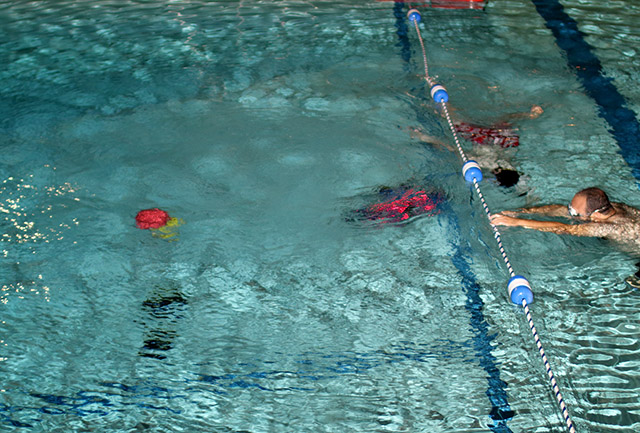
[(594, 215), (485, 141), (399, 205), (502, 134), (505, 173)]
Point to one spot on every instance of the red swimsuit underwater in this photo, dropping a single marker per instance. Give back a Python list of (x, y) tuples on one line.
[(401, 204), (505, 136)]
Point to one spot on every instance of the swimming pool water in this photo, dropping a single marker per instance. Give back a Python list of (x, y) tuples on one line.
[(262, 125)]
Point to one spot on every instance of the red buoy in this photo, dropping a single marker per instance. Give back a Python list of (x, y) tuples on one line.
[(152, 218)]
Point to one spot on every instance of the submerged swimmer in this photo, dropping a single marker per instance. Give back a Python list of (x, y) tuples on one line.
[(594, 215), (396, 205), (502, 134), (486, 141)]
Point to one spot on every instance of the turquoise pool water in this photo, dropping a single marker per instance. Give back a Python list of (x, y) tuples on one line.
[(262, 125)]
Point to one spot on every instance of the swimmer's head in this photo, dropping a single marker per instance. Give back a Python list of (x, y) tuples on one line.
[(590, 202), (506, 177)]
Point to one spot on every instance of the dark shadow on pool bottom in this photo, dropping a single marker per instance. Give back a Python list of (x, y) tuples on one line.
[(163, 308)]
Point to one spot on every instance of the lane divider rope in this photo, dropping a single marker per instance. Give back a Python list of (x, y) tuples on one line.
[(518, 286)]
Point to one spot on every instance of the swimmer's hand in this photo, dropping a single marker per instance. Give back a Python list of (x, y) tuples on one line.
[(417, 133), (535, 112), (500, 219)]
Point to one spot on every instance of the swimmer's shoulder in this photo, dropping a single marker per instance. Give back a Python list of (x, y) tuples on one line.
[(627, 213), (624, 228)]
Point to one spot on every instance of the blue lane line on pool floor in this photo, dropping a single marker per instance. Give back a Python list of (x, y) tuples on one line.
[(500, 409), (612, 105)]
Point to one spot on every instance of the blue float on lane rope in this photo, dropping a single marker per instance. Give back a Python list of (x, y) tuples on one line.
[(414, 15), (439, 93), (519, 289), (471, 170)]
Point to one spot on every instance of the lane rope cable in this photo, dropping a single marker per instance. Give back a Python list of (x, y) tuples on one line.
[(518, 287)]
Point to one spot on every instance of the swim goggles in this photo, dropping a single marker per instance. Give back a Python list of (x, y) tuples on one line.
[(574, 213)]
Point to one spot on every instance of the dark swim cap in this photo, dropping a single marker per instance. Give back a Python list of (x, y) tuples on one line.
[(506, 177)]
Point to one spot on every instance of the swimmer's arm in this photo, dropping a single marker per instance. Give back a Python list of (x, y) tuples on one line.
[(552, 210), (416, 133), (534, 113), (586, 229)]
